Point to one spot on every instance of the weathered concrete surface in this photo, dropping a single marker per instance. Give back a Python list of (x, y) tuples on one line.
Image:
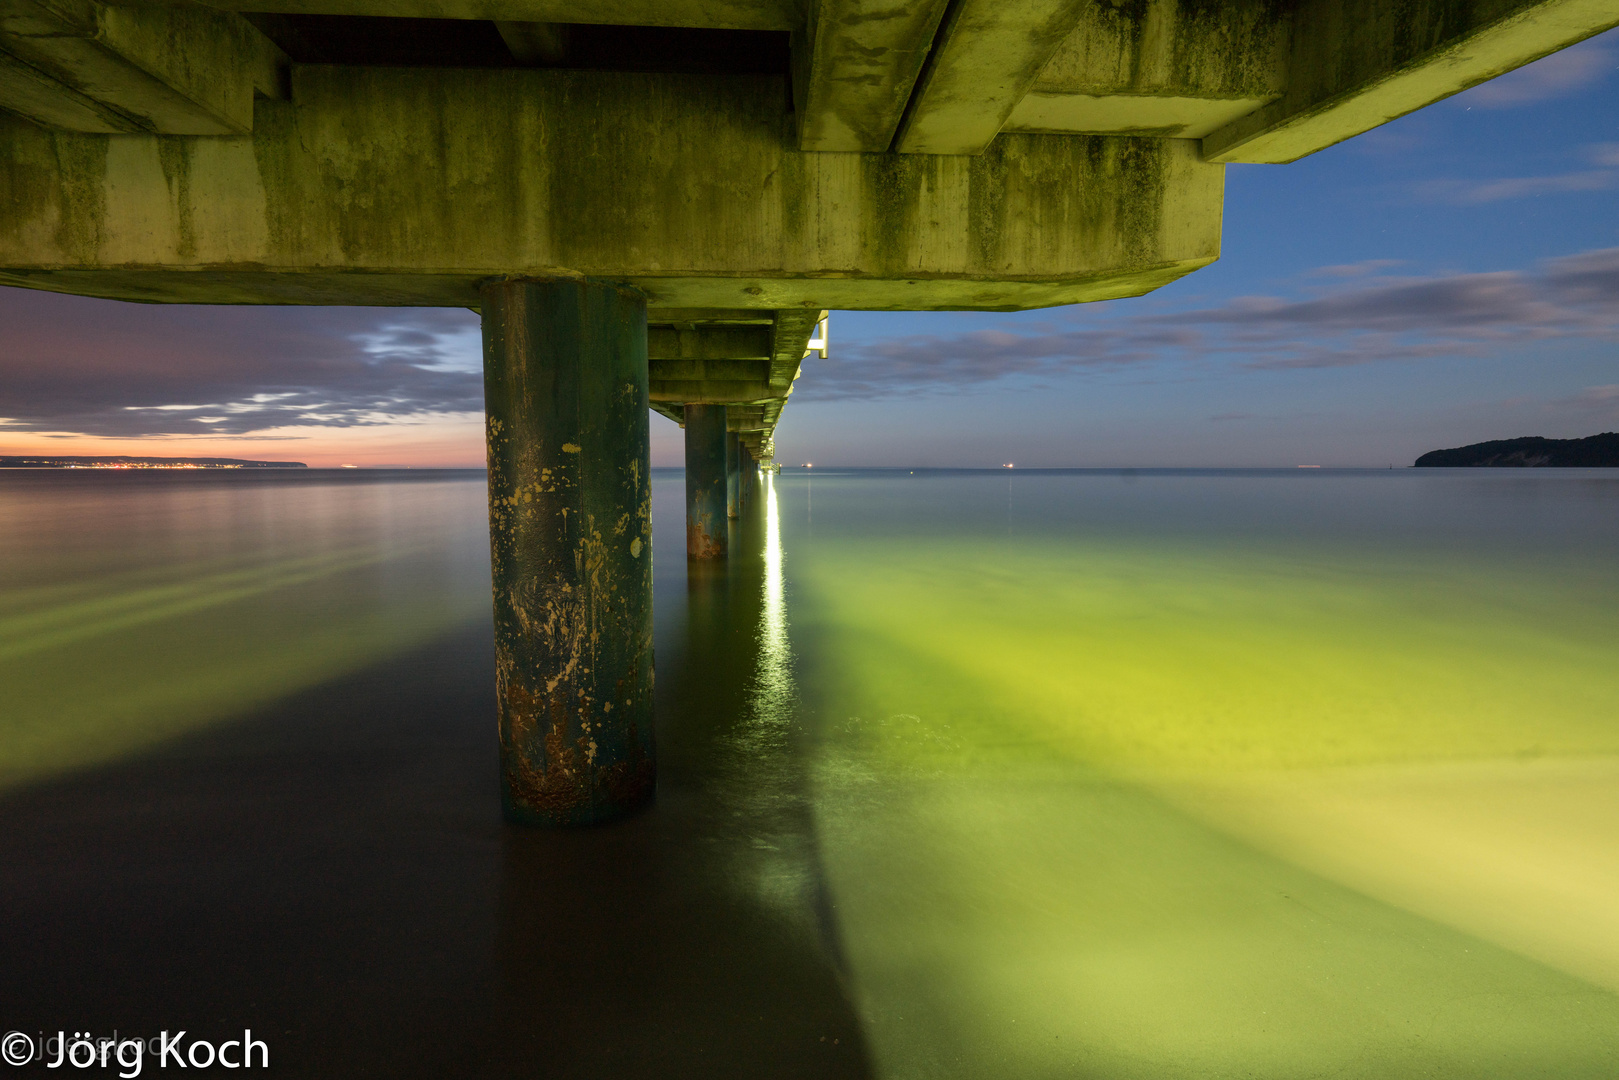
[(719, 14), (854, 65), (539, 44), (705, 481), (390, 186), (709, 343), (1355, 64), (570, 536), (1160, 68), (690, 364), (182, 70), (988, 55)]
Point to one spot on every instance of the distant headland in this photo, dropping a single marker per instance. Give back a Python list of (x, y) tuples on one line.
[(38, 461), (1595, 452)]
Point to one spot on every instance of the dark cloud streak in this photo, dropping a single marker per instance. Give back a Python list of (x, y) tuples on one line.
[(111, 369), (1371, 320), (105, 368)]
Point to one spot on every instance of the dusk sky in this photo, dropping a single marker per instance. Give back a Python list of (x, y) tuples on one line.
[(1449, 278)]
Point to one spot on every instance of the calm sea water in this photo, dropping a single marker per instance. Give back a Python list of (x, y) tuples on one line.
[(1113, 774)]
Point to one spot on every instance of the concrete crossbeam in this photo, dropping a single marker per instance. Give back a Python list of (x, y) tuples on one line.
[(709, 391), (854, 66), (709, 343), (988, 55), (1355, 64), (538, 44), (748, 369), (169, 70), (756, 389), (27, 91), (693, 318), (1163, 67), (714, 14), (399, 186)]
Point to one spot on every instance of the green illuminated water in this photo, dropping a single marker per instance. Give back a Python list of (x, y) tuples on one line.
[(1154, 774), (137, 607), (1220, 775)]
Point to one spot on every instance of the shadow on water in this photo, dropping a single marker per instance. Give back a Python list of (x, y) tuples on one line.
[(691, 939), (332, 873)]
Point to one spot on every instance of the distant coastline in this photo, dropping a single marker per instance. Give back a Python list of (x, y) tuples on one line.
[(1595, 452), (43, 461)]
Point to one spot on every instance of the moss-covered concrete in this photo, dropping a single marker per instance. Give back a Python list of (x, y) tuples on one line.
[(988, 54), (854, 65), (1355, 64), (409, 186), (1177, 68), (168, 69), (720, 14)]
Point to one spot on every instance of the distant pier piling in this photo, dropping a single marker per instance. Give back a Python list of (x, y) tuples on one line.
[(705, 481)]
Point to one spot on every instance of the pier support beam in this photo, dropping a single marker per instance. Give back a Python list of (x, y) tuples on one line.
[(733, 476), (705, 481), (570, 530)]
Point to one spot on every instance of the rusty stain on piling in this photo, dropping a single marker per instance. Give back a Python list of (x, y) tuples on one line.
[(570, 515)]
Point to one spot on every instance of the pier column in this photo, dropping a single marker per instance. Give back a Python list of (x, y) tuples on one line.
[(733, 476), (570, 531), (705, 481), (744, 482)]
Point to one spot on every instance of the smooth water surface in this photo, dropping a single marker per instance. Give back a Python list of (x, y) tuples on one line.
[(1205, 774), (135, 606), (1090, 774)]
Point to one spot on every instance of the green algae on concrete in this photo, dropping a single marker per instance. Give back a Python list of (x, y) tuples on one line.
[(388, 186)]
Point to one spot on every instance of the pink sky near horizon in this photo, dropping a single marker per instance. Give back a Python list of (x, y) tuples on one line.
[(453, 441)]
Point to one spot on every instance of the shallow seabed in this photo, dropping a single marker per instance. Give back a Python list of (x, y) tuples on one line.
[(1089, 774)]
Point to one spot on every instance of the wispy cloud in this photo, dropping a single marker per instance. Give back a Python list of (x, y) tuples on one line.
[(1354, 270), (69, 364), (121, 370), (1606, 153), (1475, 192), (1599, 401), (1366, 321)]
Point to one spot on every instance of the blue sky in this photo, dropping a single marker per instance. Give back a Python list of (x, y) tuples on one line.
[(1448, 278), (1430, 248)]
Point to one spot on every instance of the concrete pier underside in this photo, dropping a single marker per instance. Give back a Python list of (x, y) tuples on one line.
[(718, 173)]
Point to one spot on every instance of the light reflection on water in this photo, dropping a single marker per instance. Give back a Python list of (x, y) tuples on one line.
[(1124, 775), (1219, 775), (775, 694), (137, 607)]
